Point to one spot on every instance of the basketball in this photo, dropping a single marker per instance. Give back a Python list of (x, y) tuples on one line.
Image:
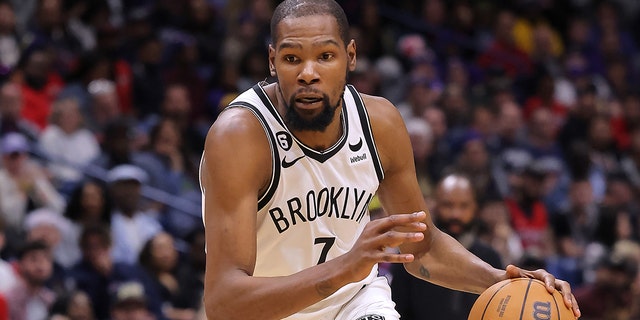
[(520, 299)]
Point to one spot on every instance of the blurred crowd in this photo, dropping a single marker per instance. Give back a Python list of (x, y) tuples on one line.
[(104, 106)]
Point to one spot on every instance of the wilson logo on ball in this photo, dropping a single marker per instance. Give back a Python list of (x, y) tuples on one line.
[(542, 310)]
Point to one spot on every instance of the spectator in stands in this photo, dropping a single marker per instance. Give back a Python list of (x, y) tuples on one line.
[(67, 145), (495, 229), (76, 305), (167, 146), (48, 26), (543, 147), (544, 98), (147, 77), (441, 156), (456, 106), (177, 106), (609, 297), (422, 143), (529, 215), (103, 107), (40, 85), (162, 262), (30, 298), (24, 186), (90, 66), (420, 96), (7, 271), (192, 273), (89, 204), (184, 68), (56, 232), (129, 302), (11, 119), (630, 162), (574, 228), (503, 52), (10, 48), (118, 147), (576, 127), (627, 120), (474, 160), (97, 274), (455, 213), (131, 225), (510, 130)]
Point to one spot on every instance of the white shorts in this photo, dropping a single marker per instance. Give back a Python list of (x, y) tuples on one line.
[(372, 302)]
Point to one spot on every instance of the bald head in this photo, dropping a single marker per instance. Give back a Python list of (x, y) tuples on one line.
[(304, 8), (455, 204)]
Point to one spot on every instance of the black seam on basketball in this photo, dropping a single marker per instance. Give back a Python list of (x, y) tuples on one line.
[(524, 301), (489, 302), (557, 307)]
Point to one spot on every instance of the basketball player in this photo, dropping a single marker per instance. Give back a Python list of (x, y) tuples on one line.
[(287, 173)]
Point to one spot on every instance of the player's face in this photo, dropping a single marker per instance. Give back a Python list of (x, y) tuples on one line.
[(455, 209), (311, 64)]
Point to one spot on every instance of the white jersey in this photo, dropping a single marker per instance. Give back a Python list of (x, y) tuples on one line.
[(316, 204)]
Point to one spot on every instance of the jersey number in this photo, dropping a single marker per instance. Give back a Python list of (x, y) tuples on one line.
[(328, 242)]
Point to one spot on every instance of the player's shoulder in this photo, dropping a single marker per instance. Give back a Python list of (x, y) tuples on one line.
[(235, 119), (382, 113), (235, 129)]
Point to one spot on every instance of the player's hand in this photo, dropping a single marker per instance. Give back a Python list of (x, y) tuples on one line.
[(550, 282), (379, 234)]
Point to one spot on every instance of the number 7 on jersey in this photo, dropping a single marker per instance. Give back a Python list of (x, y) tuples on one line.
[(328, 243)]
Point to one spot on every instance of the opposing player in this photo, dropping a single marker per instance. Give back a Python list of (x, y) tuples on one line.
[(287, 173)]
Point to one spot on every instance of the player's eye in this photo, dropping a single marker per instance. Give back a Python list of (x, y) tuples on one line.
[(326, 56), (290, 59)]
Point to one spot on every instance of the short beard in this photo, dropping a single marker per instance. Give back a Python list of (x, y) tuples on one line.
[(446, 226), (318, 123)]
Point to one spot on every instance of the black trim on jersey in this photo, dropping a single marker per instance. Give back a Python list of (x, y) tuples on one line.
[(265, 100), (275, 172), (309, 152), (367, 132)]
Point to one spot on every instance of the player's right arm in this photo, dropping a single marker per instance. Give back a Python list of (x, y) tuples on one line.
[(235, 168)]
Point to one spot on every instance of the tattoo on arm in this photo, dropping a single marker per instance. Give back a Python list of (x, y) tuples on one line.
[(425, 272)]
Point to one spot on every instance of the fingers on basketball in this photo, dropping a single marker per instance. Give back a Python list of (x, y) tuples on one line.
[(520, 299)]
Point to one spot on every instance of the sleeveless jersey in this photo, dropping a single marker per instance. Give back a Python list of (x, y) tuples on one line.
[(316, 204)]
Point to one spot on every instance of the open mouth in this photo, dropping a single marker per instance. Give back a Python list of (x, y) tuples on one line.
[(308, 100)]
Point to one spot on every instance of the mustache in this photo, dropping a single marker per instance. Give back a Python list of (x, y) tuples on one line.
[(307, 90), (452, 222)]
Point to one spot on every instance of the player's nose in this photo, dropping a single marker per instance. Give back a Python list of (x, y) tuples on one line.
[(308, 74)]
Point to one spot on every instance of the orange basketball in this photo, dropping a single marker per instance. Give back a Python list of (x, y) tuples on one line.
[(520, 299)]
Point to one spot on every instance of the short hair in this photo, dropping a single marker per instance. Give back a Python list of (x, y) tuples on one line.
[(31, 246), (305, 8), (98, 230)]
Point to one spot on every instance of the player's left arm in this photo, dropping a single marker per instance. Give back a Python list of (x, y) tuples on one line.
[(440, 259)]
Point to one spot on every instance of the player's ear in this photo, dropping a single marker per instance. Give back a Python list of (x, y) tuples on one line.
[(272, 59), (351, 55)]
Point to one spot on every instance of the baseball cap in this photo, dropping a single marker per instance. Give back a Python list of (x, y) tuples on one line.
[(47, 216), (14, 142), (127, 172), (128, 294)]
